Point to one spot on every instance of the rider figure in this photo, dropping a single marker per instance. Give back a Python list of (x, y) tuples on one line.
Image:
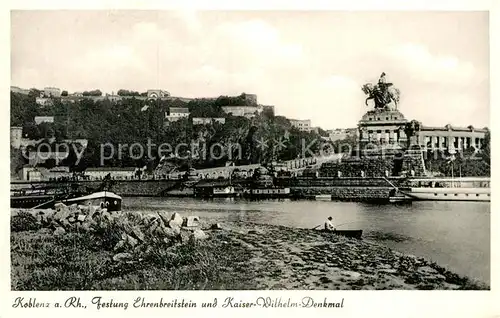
[(382, 84)]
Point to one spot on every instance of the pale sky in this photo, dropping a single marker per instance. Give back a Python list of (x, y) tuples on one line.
[(309, 64)]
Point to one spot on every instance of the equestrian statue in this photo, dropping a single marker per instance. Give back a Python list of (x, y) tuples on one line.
[(382, 93)]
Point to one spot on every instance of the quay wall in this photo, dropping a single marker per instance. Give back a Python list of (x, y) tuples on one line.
[(343, 188), (344, 193), (338, 182), (121, 187)]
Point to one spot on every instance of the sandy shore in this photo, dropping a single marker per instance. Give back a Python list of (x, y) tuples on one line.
[(288, 258)]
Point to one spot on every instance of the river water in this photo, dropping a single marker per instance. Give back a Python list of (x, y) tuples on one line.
[(455, 235)]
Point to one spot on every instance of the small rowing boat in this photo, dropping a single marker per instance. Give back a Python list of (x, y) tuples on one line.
[(347, 233)]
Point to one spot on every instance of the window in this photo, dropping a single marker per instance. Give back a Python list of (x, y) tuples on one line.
[(378, 118), (477, 194), (435, 194), (466, 194), (386, 118), (456, 194), (446, 194)]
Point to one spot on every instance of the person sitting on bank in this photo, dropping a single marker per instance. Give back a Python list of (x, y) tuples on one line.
[(329, 224)]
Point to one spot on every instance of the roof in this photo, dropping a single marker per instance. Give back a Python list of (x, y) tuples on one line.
[(179, 110), (452, 128), (97, 195)]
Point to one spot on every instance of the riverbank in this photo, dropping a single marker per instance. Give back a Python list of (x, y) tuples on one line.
[(236, 256)]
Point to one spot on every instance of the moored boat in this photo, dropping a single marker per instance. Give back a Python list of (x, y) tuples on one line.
[(347, 233), (228, 191), (448, 189), (104, 199), (44, 196), (323, 197), (272, 192), (395, 196)]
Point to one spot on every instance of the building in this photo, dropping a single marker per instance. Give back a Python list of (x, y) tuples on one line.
[(44, 101), (451, 138), (390, 128), (250, 99), (339, 133), (16, 134), (208, 120), (51, 92), (28, 173), (113, 98), (15, 89), (302, 125), (157, 93), (44, 119), (383, 127), (267, 110), (176, 113), (242, 111), (115, 173)]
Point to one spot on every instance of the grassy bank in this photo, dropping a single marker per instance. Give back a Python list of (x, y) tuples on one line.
[(241, 256), (78, 261)]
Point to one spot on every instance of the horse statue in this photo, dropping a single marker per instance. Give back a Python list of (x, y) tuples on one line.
[(382, 93)]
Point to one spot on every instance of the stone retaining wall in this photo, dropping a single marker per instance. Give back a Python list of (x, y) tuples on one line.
[(344, 193), (121, 187), (358, 167), (336, 182)]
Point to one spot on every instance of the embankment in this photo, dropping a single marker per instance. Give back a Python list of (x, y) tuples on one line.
[(339, 188)]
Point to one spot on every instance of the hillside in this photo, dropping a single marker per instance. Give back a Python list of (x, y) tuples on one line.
[(127, 122)]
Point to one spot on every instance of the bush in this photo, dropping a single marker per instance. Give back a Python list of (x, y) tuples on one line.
[(24, 221)]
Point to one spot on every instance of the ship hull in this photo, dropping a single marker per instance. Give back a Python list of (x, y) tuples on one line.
[(449, 194)]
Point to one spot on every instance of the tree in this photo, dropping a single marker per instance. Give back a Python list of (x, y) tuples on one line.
[(95, 92), (124, 92), (64, 93)]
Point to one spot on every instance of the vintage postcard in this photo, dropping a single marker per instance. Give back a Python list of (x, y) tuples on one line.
[(171, 162)]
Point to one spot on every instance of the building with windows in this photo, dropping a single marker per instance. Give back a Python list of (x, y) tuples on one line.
[(242, 111), (44, 119), (44, 101), (451, 138), (176, 113), (339, 133), (390, 128), (100, 173), (16, 135), (302, 125), (51, 92), (157, 93), (208, 120)]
